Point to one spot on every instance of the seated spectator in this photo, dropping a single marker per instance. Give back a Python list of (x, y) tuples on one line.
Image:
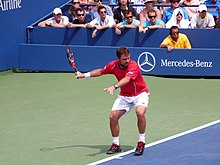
[(119, 15), (72, 11), (190, 10), (166, 4), (178, 19), (94, 11), (56, 21), (149, 5), (203, 19), (153, 23), (169, 12), (175, 40), (104, 21), (130, 22), (80, 20), (214, 11)]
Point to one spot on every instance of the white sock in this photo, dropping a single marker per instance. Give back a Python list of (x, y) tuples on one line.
[(141, 137), (115, 140)]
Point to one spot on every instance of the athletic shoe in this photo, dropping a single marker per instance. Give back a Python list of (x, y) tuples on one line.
[(140, 149), (114, 149)]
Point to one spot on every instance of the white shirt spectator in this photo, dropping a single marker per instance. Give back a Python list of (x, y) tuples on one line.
[(64, 20), (198, 22), (109, 20)]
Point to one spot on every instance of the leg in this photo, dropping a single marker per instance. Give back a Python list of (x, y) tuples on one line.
[(141, 122), (141, 119), (114, 124)]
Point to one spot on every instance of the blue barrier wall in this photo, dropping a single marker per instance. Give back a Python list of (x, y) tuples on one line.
[(15, 16), (152, 61), (199, 38)]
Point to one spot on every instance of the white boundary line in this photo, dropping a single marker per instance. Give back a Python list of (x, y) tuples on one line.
[(118, 156)]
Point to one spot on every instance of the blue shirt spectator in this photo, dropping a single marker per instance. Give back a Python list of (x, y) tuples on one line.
[(152, 23), (94, 12), (213, 10), (158, 22), (169, 12)]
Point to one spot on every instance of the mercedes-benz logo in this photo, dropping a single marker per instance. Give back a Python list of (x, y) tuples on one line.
[(146, 61)]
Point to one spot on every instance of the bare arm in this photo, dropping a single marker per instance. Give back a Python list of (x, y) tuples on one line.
[(71, 25), (131, 26), (119, 84), (169, 48), (102, 27), (93, 73), (142, 18)]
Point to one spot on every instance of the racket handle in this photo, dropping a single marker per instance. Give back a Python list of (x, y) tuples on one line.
[(77, 73)]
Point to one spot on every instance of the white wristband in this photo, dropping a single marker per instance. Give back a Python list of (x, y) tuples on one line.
[(87, 75)]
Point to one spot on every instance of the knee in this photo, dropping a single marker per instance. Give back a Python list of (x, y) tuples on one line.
[(140, 113), (113, 117)]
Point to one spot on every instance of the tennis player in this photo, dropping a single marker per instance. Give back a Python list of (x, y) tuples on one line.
[(133, 92)]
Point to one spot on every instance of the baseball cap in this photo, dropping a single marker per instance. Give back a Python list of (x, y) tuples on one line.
[(57, 11), (202, 7)]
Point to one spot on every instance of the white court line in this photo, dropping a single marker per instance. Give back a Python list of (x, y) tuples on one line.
[(118, 156)]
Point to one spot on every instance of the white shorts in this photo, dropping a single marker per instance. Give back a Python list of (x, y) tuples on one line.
[(126, 103)]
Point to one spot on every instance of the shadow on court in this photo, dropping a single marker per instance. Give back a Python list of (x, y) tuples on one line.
[(102, 148)]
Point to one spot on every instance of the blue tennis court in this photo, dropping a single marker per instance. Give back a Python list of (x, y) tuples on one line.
[(199, 146)]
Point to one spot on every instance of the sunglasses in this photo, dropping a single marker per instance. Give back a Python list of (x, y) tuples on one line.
[(152, 16), (179, 14), (98, 1), (103, 12), (76, 3), (129, 17), (80, 15), (175, 33)]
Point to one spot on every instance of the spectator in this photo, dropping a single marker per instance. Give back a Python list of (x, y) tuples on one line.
[(214, 11), (175, 40), (153, 23), (191, 10), (72, 11), (169, 12), (56, 21), (94, 11), (178, 19), (149, 5), (119, 15), (80, 20), (203, 19), (130, 22), (166, 4), (104, 21)]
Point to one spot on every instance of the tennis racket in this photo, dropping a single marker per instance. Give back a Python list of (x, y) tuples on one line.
[(71, 60)]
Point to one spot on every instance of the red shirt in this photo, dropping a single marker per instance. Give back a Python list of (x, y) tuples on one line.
[(136, 85)]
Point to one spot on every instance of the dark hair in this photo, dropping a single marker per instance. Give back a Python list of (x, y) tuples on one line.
[(152, 11), (173, 27), (119, 4), (79, 9), (100, 8), (128, 12), (122, 50), (174, 0)]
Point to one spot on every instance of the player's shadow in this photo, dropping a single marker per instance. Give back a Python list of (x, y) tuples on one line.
[(102, 148)]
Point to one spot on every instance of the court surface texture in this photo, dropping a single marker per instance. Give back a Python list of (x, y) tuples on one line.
[(54, 119)]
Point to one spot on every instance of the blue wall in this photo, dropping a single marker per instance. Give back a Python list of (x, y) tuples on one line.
[(14, 21), (184, 62), (199, 38)]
